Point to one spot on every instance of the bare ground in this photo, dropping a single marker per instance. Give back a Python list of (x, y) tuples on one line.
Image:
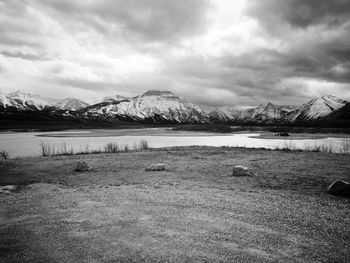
[(192, 212)]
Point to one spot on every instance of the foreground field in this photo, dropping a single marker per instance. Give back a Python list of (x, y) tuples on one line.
[(193, 211)]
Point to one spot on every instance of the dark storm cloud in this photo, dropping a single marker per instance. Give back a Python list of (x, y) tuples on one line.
[(322, 48), (259, 74), (269, 51), (314, 37), (152, 20), (301, 13)]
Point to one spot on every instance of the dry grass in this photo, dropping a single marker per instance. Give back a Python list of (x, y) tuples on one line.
[(193, 211), (49, 149), (289, 146)]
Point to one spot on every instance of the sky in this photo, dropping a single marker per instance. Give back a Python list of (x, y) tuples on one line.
[(210, 52)]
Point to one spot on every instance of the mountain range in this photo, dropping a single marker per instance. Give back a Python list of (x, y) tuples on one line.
[(161, 107), (21, 101)]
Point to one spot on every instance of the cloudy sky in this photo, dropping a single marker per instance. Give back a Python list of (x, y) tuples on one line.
[(213, 52)]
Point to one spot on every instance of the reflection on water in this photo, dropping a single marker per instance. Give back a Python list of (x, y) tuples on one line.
[(28, 144)]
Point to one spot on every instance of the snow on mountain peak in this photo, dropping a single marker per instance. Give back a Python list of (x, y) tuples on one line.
[(20, 93), (153, 106), (71, 104), (26, 101), (164, 106), (319, 108)]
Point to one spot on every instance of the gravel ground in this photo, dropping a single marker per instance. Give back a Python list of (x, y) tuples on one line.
[(192, 212)]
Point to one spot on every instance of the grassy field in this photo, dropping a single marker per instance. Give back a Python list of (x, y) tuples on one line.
[(192, 212)]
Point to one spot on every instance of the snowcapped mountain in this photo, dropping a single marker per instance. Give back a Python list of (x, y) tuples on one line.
[(268, 113), (114, 98), (318, 109), (165, 107), (341, 114), (154, 106), (3, 99), (227, 114), (273, 113), (314, 110), (22, 101), (71, 104)]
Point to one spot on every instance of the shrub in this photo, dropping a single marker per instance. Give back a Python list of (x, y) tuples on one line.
[(65, 150), (4, 154), (46, 149), (144, 145), (345, 146), (288, 146), (126, 148), (111, 148)]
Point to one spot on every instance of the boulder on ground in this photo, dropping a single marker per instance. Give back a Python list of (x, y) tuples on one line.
[(156, 167), (339, 187), (82, 167), (240, 170), (7, 189)]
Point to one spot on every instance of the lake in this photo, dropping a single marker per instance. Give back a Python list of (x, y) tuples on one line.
[(25, 144)]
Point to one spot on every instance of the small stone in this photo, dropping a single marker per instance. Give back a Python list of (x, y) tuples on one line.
[(340, 188), (240, 170), (7, 189), (82, 167), (156, 167)]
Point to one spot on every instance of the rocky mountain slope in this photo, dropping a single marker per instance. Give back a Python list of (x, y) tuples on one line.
[(153, 106), (268, 113), (318, 109), (342, 114), (313, 111), (21, 101), (71, 104), (165, 107)]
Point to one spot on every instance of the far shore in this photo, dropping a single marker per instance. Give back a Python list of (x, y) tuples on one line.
[(301, 136), (170, 132), (160, 131), (35, 126)]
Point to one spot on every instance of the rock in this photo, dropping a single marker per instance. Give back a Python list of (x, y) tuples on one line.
[(242, 171), (82, 167), (7, 189), (283, 134), (339, 187), (156, 167)]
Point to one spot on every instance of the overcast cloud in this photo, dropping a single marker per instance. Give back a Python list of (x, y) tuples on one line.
[(218, 52)]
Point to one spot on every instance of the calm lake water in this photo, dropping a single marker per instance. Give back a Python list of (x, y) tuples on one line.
[(28, 143)]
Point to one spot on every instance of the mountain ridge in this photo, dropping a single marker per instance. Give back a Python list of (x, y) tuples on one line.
[(154, 106), (71, 104), (162, 106)]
